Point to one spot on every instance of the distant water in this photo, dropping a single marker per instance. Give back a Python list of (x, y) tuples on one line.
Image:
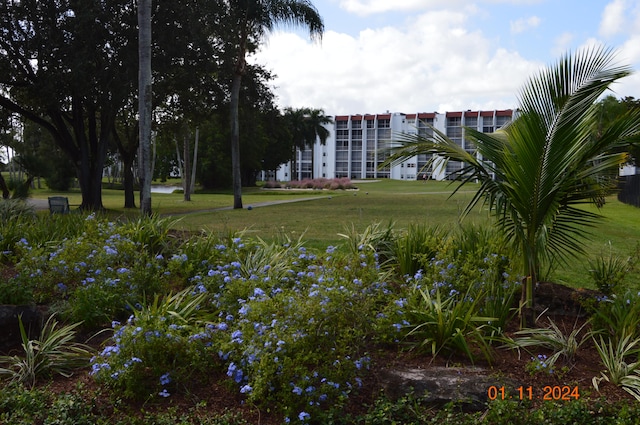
[(164, 189)]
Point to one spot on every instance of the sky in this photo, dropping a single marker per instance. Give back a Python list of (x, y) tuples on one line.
[(440, 55)]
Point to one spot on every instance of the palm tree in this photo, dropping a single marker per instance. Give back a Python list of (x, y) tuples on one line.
[(253, 20), (306, 125), (316, 120), (535, 172), (144, 102)]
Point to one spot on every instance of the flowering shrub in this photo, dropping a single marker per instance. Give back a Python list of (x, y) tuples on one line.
[(321, 183), (97, 274), (289, 327), (296, 341), (162, 346)]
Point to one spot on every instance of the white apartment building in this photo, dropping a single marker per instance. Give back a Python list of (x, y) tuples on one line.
[(356, 143)]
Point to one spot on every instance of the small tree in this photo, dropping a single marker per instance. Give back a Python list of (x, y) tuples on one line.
[(535, 172), (252, 19)]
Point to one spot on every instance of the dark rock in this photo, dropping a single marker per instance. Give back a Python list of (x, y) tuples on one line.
[(466, 387), (32, 319)]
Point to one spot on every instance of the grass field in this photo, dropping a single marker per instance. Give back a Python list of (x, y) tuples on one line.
[(328, 214)]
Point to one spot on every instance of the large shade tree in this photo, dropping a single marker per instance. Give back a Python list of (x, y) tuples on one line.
[(62, 67), (72, 67), (251, 20), (535, 172)]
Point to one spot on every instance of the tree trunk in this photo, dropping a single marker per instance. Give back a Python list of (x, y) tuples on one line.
[(145, 102), (186, 176), (4, 188), (90, 180), (128, 182), (195, 160), (235, 142)]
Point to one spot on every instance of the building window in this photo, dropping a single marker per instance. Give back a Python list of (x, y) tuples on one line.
[(502, 120)]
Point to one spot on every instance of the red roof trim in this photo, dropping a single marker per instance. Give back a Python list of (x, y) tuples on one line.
[(411, 116), (486, 113), (384, 116), (342, 118), (427, 115), (505, 113), (454, 114)]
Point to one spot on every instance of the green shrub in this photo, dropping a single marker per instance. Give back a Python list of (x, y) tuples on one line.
[(618, 315), (417, 244), (563, 345), (294, 332), (93, 276), (19, 189), (162, 347), (446, 323)]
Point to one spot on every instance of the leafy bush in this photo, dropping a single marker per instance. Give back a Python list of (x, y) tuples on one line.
[(321, 183), (96, 274), (19, 188), (295, 329), (417, 244), (618, 315), (446, 323), (163, 346)]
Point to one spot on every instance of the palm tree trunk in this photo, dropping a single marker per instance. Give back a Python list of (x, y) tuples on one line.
[(527, 312), (194, 164), (235, 142), (186, 176), (144, 102)]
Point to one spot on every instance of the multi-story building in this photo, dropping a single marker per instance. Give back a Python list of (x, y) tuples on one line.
[(356, 144)]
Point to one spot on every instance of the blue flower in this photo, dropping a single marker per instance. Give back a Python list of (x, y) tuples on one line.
[(236, 336), (165, 379), (297, 390), (304, 416), (246, 389), (164, 393)]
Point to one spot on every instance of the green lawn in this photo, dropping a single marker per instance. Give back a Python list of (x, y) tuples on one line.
[(322, 219)]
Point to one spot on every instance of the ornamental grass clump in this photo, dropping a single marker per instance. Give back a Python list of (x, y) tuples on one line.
[(53, 352)]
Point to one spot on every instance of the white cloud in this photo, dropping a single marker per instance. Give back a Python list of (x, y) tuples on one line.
[(369, 7), (562, 43), (434, 63), (613, 18), (522, 25)]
